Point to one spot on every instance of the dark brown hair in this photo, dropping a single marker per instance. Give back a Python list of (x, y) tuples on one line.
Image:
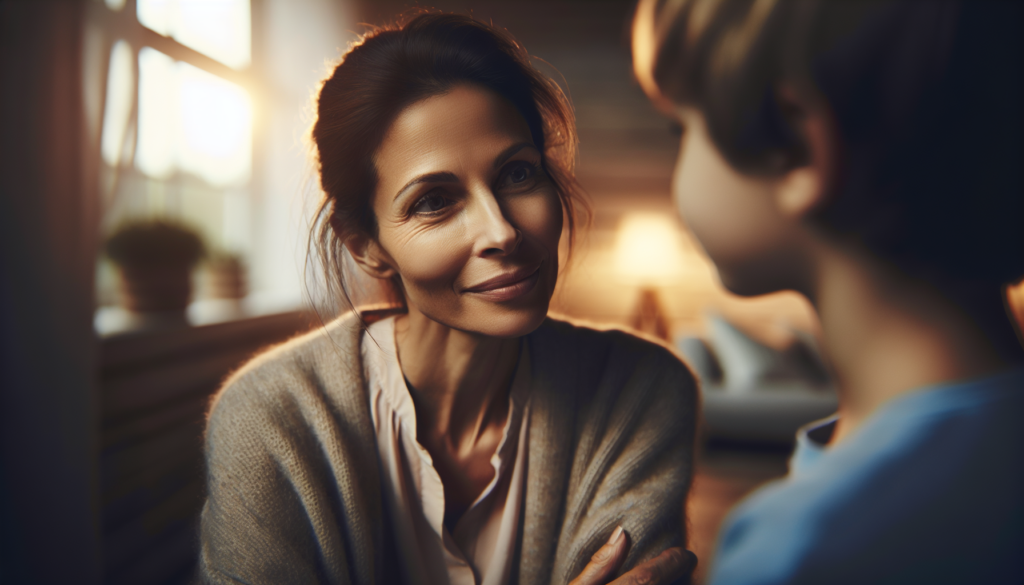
[(395, 66), (926, 96)]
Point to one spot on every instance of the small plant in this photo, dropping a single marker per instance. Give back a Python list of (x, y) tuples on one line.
[(155, 258), (155, 243)]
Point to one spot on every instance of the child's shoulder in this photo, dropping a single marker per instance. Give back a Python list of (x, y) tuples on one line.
[(899, 495)]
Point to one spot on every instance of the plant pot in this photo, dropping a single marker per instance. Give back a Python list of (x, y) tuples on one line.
[(156, 288)]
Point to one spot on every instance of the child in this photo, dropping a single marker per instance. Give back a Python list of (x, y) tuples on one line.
[(868, 156)]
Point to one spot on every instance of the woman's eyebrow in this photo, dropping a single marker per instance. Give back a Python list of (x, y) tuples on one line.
[(510, 152), (439, 177), (447, 177)]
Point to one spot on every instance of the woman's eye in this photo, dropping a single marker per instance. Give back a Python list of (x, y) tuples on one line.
[(520, 173), (430, 203)]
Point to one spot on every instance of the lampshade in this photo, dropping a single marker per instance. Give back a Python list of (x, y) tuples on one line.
[(649, 250)]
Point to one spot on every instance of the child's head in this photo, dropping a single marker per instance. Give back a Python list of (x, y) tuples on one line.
[(922, 100)]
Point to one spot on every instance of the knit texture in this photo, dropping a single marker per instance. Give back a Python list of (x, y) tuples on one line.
[(294, 489)]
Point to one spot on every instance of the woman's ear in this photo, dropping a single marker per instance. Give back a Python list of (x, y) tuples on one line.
[(808, 186), (370, 256)]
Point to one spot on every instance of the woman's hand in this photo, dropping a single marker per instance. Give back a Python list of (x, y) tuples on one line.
[(672, 564)]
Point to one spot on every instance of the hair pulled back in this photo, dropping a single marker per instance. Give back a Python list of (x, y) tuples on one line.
[(397, 65)]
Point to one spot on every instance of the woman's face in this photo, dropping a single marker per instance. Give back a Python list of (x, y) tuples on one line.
[(466, 216)]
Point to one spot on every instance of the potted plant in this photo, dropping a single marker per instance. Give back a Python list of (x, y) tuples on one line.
[(155, 259)]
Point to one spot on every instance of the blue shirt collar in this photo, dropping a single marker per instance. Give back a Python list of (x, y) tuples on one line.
[(811, 444)]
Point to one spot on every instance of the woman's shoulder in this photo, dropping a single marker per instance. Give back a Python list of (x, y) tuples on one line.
[(610, 365), (326, 356), (588, 341)]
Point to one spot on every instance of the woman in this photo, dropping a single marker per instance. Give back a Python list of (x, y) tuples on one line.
[(468, 438)]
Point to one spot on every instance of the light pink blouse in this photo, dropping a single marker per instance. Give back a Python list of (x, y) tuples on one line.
[(481, 550)]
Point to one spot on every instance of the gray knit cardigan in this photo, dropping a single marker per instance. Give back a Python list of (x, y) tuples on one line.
[(294, 490)]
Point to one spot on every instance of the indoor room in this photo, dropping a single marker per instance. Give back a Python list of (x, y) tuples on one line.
[(161, 214)]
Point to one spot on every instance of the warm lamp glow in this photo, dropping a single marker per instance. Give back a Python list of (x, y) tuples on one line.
[(649, 249), (1015, 297)]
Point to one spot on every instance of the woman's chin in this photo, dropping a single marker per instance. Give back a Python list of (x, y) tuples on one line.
[(490, 315), (508, 323), (507, 318)]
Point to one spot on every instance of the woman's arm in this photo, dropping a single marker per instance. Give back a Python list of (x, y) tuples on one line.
[(633, 461), (673, 565)]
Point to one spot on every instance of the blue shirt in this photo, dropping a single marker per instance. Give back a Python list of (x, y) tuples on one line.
[(929, 490)]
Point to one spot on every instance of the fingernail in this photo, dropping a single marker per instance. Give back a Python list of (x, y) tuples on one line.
[(616, 536)]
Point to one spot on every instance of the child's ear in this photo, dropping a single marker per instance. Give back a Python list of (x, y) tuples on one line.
[(370, 256), (808, 186)]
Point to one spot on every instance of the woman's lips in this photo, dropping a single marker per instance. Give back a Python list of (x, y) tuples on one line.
[(508, 286)]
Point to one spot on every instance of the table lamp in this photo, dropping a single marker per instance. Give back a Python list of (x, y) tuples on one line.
[(649, 255)]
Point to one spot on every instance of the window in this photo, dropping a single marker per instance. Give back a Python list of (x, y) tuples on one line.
[(193, 131), (191, 121), (177, 138), (218, 28), (120, 86)]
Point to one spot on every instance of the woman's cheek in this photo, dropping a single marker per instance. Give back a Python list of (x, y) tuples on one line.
[(431, 258), (539, 215)]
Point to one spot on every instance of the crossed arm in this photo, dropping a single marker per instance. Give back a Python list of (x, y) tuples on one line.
[(672, 565)]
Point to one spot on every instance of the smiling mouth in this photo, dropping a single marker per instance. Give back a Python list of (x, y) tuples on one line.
[(508, 286)]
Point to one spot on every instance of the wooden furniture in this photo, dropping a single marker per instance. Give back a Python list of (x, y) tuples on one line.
[(153, 393)]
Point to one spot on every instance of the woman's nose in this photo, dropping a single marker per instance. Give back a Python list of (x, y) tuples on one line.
[(495, 235)]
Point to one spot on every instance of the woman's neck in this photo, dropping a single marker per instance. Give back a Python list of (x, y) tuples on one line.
[(887, 334), (460, 380)]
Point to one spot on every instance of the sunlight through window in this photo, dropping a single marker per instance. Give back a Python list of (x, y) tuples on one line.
[(216, 127), (118, 108), (192, 121), (157, 114), (220, 29)]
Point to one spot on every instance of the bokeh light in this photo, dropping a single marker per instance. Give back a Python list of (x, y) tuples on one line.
[(649, 249)]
